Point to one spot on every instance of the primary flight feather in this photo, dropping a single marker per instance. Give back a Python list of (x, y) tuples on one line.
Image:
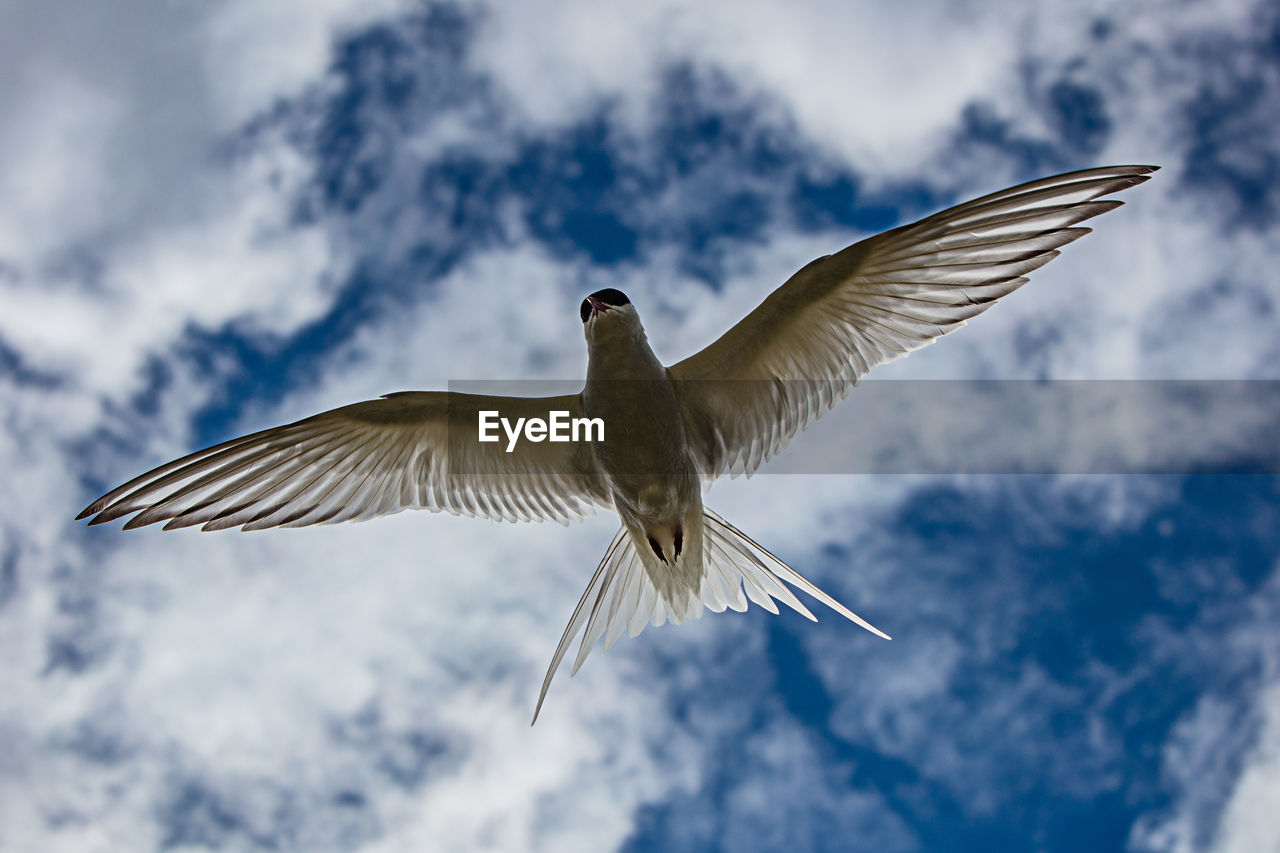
[(669, 431)]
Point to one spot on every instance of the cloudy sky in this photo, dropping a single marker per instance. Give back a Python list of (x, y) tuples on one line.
[(215, 217)]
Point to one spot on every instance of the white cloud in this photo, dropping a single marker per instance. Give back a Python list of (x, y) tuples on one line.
[(120, 164), (881, 86), (239, 261), (1220, 761), (55, 180), (258, 53), (1248, 822), (849, 81)]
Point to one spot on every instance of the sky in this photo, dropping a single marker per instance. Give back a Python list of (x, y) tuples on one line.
[(223, 216)]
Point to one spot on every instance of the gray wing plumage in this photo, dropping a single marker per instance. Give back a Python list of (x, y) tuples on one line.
[(796, 355), (412, 450)]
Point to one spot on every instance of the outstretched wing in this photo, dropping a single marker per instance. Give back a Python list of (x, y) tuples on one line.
[(411, 450), (801, 351)]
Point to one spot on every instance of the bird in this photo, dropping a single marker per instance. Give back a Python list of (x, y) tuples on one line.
[(668, 431)]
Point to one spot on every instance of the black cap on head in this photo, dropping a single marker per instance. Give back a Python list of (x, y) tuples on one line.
[(609, 296)]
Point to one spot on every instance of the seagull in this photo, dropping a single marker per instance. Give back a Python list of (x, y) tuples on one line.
[(668, 431)]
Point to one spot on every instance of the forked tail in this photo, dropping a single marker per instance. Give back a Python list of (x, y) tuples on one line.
[(621, 596)]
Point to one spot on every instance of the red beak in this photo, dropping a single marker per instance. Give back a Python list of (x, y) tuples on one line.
[(597, 307)]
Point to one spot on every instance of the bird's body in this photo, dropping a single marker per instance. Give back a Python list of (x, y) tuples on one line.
[(653, 478), (669, 430)]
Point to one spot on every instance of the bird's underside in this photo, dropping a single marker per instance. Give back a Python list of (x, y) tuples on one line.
[(736, 404)]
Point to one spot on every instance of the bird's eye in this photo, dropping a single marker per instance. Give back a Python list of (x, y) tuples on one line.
[(585, 310)]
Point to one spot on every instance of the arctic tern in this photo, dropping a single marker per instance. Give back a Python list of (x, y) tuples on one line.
[(670, 430)]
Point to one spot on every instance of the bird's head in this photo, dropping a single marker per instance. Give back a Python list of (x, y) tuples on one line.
[(608, 312)]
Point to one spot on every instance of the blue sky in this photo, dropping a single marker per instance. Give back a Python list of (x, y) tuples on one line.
[(218, 218)]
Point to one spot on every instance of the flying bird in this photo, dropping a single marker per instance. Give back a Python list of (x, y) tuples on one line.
[(669, 430)]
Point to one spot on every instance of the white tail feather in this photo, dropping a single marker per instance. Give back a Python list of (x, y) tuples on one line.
[(736, 568)]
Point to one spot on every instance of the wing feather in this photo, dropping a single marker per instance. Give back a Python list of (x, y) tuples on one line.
[(411, 450), (796, 355)]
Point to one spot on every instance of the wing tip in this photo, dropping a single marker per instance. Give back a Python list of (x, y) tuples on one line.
[(104, 514), (542, 694), (98, 507), (1119, 171), (1136, 175)]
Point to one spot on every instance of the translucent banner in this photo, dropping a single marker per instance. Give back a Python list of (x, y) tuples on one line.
[(896, 427)]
